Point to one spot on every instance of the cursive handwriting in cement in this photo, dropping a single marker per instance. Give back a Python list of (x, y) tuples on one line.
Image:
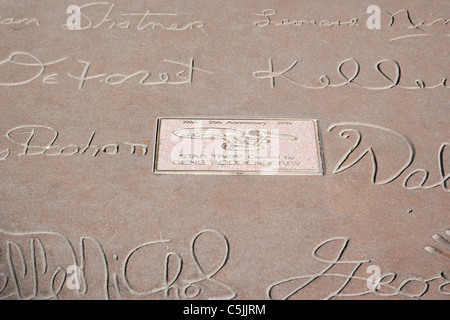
[(401, 20), (26, 135), (184, 74), (48, 279), (344, 164), (391, 80), (139, 21), (385, 287), (268, 19)]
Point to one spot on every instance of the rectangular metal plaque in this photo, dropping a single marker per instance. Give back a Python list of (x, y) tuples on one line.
[(237, 146)]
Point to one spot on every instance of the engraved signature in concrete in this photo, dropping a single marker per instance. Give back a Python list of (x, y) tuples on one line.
[(184, 72), (399, 20), (422, 26), (45, 271), (36, 140), (344, 164), (413, 287), (148, 20), (268, 19), (234, 139), (15, 21), (392, 80)]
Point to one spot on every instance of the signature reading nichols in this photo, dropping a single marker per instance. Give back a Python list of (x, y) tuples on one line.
[(239, 140)]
